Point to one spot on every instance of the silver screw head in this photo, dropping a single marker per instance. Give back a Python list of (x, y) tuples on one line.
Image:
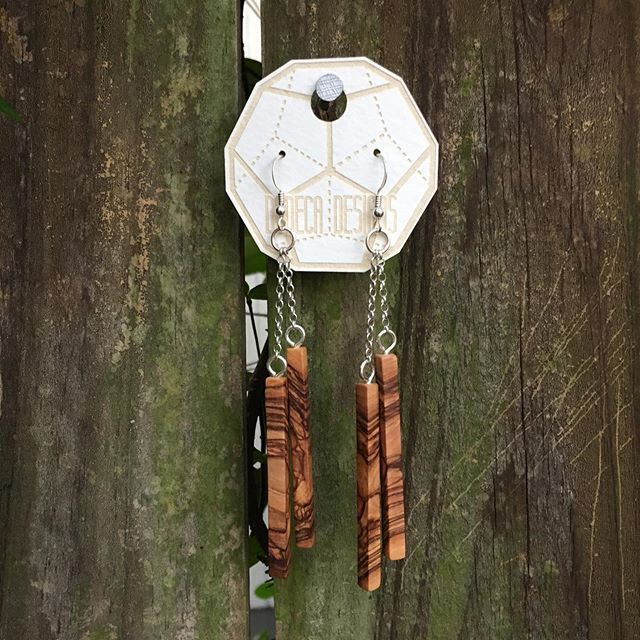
[(329, 87)]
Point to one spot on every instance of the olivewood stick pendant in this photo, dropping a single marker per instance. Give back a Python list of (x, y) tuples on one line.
[(278, 475), (393, 523), (298, 374), (379, 450), (368, 475)]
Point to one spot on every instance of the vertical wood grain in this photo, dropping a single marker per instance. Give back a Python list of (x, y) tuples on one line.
[(517, 306), (278, 471), (392, 481), (368, 480), (301, 457), (122, 478)]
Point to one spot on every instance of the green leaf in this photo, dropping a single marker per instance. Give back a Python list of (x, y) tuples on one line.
[(252, 74), (9, 111), (258, 456), (259, 292), (254, 260), (265, 590), (254, 551), (263, 636)]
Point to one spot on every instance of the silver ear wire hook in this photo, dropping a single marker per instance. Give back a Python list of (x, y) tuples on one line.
[(282, 234), (280, 195), (378, 209), (378, 154)]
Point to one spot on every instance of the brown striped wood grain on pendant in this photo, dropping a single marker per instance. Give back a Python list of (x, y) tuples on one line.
[(393, 519), (300, 435), (278, 475), (368, 474)]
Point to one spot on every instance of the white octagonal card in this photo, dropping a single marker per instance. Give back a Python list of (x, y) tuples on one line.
[(330, 174)]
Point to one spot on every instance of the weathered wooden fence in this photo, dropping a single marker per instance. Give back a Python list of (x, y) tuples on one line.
[(517, 299)]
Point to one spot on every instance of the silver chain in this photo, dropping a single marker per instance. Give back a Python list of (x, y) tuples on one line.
[(366, 368), (384, 304), (291, 295), (279, 319), (294, 326)]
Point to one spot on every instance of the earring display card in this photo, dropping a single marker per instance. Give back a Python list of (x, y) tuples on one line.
[(330, 174)]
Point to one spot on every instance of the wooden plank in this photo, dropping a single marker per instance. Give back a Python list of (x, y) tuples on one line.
[(278, 476), (301, 459), (518, 294), (368, 479), (122, 475), (393, 524)]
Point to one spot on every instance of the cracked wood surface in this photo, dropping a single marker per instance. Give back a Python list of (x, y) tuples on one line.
[(121, 324), (518, 309)]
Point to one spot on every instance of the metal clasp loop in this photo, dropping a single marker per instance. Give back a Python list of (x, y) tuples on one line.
[(374, 237), (287, 241), (280, 360)]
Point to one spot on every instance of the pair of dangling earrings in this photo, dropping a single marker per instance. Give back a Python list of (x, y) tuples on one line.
[(380, 483)]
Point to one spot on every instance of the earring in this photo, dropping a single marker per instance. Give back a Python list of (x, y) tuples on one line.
[(380, 482), (287, 411)]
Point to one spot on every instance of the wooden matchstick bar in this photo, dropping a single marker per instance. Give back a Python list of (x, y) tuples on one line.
[(368, 474), (298, 388), (278, 476), (393, 522)]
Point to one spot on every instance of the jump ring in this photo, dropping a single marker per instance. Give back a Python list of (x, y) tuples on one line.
[(285, 258), (281, 361), (392, 344), (368, 377), (300, 329), (282, 233), (371, 238)]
